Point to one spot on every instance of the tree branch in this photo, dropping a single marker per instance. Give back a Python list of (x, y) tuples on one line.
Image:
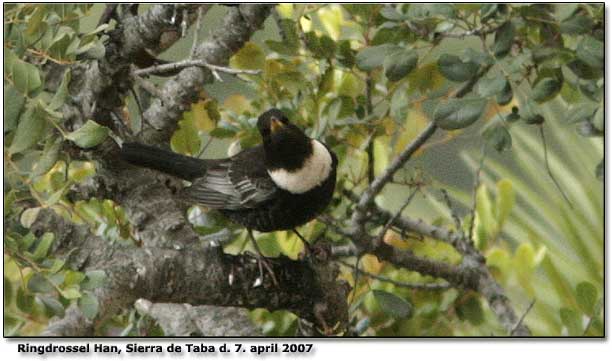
[(179, 92), (208, 321), (359, 216), (193, 274), (190, 63), (415, 286)]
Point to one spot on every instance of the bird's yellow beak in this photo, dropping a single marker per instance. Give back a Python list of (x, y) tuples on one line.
[(275, 125)]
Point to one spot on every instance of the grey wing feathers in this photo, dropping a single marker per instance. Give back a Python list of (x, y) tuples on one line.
[(220, 188)]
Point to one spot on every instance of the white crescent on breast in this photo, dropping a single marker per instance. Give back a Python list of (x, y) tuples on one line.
[(315, 170)]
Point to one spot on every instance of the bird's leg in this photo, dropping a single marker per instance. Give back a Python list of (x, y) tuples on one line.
[(306, 244), (262, 260)]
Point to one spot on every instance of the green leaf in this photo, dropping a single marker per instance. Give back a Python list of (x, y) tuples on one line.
[(577, 24), (8, 292), (40, 284), (36, 25), (24, 300), (549, 57), (370, 58), (564, 11), (426, 78), (13, 106), (24, 76), (455, 69), (459, 113), (93, 279), (54, 306), (546, 89), (250, 56), (43, 246), (478, 57), (72, 278), (599, 118), (527, 258), (30, 129), (71, 293), (345, 55), (498, 137), (506, 95), (222, 133), (57, 265), (591, 52), (88, 304), (49, 157), (424, 11), (487, 87), (487, 11), (400, 63), (29, 216), (583, 70), (530, 115), (469, 309), (186, 139), (390, 13), (89, 135), (328, 46), (504, 38), (92, 50), (504, 201), (586, 296), (322, 47), (61, 93), (571, 320), (393, 305)]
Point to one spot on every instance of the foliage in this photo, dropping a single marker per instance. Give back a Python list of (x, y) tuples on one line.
[(366, 79)]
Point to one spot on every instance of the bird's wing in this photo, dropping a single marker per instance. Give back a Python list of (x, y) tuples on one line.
[(235, 183)]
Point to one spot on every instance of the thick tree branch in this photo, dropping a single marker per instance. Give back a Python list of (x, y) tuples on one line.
[(195, 274), (179, 92), (209, 321)]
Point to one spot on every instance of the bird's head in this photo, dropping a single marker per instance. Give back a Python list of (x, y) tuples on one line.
[(273, 122), (286, 145)]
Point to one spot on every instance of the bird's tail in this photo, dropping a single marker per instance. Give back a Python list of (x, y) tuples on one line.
[(164, 161)]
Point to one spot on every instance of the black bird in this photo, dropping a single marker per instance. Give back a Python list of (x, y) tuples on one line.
[(279, 185)]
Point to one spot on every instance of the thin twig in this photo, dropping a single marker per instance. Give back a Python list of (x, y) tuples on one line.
[(140, 111), (184, 23), (392, 220), (355, 277), (378, 184), (548, 170), (417, 286), (210, 139), (454, 214), (370, 145), (190, 63), (475, 192), (520, 321), (194, 46), (474, 32)]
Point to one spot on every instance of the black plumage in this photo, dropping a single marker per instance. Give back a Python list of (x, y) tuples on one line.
[(241, 187)]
